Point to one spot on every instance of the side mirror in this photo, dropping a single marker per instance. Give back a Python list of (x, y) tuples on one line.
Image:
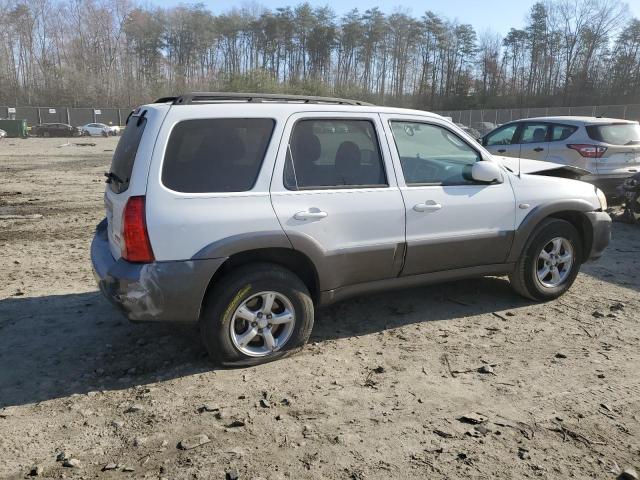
[(486, 172)]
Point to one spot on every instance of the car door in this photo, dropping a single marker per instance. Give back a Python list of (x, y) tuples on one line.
[(533, 138), (335, 194), (502, 141), (452, 221)]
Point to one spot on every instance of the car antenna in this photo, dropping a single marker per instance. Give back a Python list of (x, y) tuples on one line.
[(519, 166)]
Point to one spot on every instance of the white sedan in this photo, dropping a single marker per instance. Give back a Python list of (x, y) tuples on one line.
[(99, 129)]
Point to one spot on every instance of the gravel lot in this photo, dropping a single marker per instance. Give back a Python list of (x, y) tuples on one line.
[(388, 388)]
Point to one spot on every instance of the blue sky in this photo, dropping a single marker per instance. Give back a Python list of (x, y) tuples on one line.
[(494, 15)]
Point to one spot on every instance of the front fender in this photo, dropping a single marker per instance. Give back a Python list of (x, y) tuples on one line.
[(528, 226)]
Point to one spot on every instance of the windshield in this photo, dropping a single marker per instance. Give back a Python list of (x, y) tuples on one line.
[(616, 134)]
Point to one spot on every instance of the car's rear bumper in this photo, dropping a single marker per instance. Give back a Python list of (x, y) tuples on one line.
[(601, 230), (158, 291)]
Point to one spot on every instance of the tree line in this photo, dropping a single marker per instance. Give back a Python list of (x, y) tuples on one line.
[(121, 53)]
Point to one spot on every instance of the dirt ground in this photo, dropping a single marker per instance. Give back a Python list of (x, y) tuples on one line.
[(388, 387)]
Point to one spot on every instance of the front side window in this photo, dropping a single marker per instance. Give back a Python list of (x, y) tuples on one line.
[(333, 153), (430, 154), (216, 155), (503, 136), (534, 133)]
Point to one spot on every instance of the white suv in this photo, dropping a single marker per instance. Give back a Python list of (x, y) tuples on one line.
[(243, 212)]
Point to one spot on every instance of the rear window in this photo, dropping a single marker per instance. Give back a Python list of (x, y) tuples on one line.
[(615, 134), (125, 154), (216, 155)]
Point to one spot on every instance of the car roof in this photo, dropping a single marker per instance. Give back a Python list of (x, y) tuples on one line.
[(289, 108), (575, 120)]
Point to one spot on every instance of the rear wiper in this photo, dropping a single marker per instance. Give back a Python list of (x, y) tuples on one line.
[(112, 176), (633, 142)]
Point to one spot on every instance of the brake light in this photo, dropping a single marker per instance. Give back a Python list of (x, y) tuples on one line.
[(588, 151), (136, 247)]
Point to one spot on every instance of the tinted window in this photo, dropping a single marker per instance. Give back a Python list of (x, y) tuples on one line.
[(216, 155), (615, 134), (125, 154), (503, 136), (534, 133), (430, 154), (562, 132), (333, 153)]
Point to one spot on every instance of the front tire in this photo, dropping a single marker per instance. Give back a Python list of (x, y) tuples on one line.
[(256, 314), (550, 261)]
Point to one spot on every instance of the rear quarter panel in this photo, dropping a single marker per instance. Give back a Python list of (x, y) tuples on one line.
[(115, 202), (182, 224)]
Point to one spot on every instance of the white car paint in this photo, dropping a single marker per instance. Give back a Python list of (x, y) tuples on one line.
[(95, 129), (182, 224)]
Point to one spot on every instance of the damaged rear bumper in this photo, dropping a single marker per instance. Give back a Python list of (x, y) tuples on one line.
[(159, 291)]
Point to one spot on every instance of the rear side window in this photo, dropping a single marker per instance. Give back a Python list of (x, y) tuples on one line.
[(615, 134), (125, 154), (562, 132), (216, 155), (333, 154), (534, 133)]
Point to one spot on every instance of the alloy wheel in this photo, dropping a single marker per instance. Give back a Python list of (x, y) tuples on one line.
[(262, 324), (554, 262)]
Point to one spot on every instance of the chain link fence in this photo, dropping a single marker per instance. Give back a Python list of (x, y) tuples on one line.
[(70, 115), (116, 116), (474, 118)]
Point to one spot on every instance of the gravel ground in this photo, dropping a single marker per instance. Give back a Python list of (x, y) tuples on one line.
[(391, 385)]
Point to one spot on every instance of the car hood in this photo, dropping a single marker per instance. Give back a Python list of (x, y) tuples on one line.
[(539, 167)]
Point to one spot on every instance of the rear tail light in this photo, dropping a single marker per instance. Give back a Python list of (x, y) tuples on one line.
[(588, 151), (136, 247)]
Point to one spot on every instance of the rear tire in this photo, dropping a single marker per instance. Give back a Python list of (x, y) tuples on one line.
[(550, 262), (233, 305)]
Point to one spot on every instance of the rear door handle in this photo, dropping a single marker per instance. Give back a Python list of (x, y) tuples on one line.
[(538, 149), (429, 206), (502, 150), (311, 214)]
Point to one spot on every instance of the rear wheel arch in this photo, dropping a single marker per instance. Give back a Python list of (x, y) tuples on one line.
[(293, 260)]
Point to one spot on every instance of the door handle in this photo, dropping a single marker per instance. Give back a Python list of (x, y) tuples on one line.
[(311, 214), (538, 149), (429, 206), (502, 150)]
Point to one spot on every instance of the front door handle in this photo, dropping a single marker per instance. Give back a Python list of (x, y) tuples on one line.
[(429, 206), (538, 149), (311, 214), (502, 150)]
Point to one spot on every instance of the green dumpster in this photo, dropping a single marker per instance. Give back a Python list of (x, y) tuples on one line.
[(14, 128)]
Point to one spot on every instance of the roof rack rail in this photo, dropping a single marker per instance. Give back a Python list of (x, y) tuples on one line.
[(232, 97)]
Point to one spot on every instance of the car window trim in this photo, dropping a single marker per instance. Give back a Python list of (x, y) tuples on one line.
[(334, 187), (433, 184)]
